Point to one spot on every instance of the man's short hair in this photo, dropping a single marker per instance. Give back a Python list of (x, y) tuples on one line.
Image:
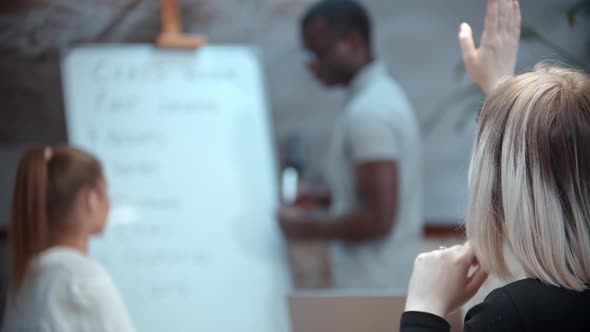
[(345, 16)]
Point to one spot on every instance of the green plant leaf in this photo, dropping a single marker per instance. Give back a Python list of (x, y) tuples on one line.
[(571, 18), (528, 32), (582, 6)]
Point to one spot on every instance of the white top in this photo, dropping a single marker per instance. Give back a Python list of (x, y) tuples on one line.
[(378, 124), (66, 291)]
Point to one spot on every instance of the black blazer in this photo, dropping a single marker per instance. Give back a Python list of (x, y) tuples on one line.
[(526, 305)]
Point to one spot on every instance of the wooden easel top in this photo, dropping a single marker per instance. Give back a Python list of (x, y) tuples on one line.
[(171, 35)]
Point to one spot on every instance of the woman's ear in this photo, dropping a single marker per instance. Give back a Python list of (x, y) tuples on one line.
[(92, 198)]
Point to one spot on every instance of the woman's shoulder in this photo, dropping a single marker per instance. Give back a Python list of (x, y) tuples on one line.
[(497, 312), (530, 304), (79, 278), (63, 287), (534, 293), (68, 261)]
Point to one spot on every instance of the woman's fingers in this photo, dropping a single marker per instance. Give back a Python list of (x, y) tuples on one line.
[(516, 21), (467, 251), (491, 24), (467, 44), (478, 277), (474, 282), (504, 10)]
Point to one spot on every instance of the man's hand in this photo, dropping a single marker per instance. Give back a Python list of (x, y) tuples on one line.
[(312, 198), (496, 55), (377, 190), (290, 220)]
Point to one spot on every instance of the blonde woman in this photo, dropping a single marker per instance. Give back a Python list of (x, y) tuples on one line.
[(529, 187), (529, 194)]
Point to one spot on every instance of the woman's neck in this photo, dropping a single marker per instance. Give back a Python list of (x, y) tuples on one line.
[(78, 242)]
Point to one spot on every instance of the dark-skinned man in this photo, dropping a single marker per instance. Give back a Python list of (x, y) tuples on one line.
[(374, 164)]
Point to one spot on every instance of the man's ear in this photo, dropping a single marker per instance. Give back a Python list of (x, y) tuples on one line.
[(355, 41)]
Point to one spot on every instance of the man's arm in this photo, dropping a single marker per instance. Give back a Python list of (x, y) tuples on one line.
[(310, 198), (377, 189)]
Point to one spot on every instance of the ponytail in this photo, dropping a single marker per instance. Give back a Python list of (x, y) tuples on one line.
[(28, 220), (46, 185)]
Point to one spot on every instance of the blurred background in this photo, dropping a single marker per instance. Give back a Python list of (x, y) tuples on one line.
[(417, 39)]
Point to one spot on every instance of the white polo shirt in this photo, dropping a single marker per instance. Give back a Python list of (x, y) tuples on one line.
[(378, 124), (66, 291)]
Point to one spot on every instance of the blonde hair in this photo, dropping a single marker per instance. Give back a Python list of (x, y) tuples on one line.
[(529, 179)]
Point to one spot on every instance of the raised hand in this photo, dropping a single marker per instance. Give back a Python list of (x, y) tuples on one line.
[(496, 56)]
